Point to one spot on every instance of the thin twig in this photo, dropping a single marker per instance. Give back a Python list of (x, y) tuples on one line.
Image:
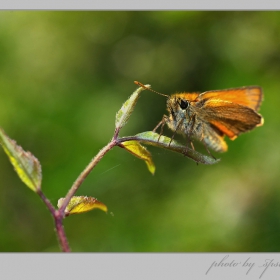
[(58, 218), (60, 213), (62, 239), (46, 201), (127, 138), (85, 173)]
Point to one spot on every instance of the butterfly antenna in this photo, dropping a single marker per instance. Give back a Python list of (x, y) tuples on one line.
[(141, 85)]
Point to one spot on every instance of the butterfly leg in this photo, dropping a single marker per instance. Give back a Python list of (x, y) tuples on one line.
[(190, 131), (158, 125), (189, 141), (192, 145), (208, 150), (177, 127), (205, 145), (161, 123)]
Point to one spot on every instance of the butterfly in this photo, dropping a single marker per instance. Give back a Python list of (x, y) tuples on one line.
[(212, 115)]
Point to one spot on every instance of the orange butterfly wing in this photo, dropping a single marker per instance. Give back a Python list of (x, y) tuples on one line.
[(247, 96), (230, 118)]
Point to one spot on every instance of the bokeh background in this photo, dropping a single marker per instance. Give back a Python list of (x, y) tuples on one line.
[(63, 77)]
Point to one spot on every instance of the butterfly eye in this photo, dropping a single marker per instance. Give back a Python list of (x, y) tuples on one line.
[(184, 104)]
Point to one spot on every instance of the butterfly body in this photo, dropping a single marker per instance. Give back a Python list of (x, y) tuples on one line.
[(212, 115)]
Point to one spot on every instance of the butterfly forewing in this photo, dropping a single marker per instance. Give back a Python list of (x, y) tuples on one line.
[(246, 96)]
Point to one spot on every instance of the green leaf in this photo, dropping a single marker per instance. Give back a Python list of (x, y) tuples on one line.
[(135, 148), (152, 138), (127, 108), (26, 165), (81, 204)]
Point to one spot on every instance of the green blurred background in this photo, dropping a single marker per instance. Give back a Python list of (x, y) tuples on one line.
[(63, 77)]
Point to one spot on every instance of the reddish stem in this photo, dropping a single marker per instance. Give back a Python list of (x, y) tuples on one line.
[(85, 173), (58, 221), (59, 214), (47, 202), (62, 239)]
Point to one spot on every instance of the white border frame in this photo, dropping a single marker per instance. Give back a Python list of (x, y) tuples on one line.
[(138, 266), (139, 5)]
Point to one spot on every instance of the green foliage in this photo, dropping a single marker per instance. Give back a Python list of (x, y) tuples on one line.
[(124, 113), (26, 165), (160, 141), (64, 75)]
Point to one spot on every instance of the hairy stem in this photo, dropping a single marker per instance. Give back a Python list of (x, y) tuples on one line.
[(85, 173), (59, 214), (46, 201), (58, 220), (62, 240)]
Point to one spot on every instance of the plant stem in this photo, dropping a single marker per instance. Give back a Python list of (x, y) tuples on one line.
[(127, 138), (60, 232), (47, 202), (85, 173), (60, 213), (58, 218)]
